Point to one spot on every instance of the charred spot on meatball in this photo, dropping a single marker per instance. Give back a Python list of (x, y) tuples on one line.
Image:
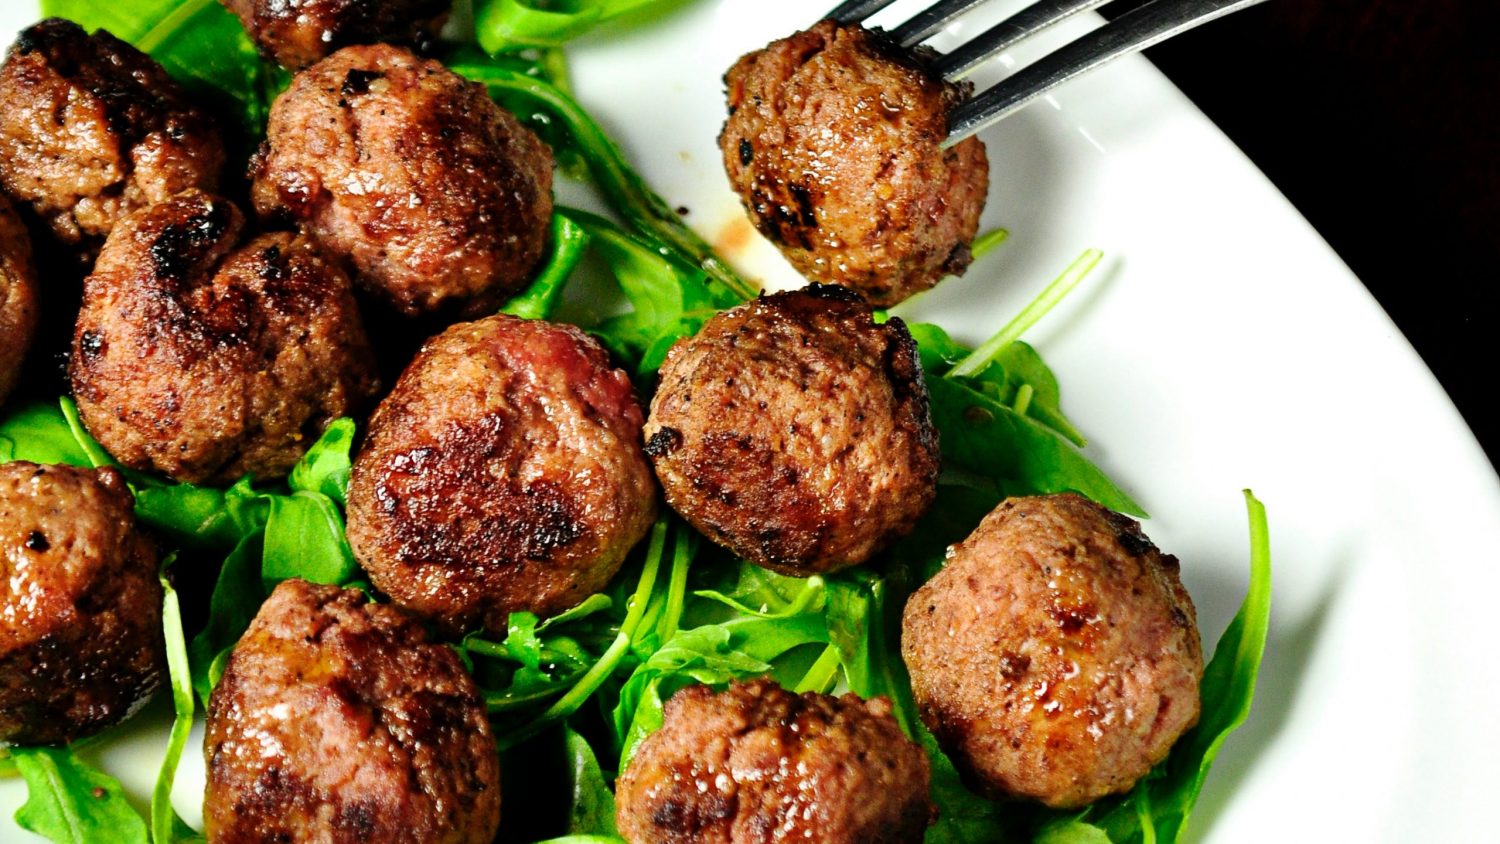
[(297, 33), (504, 472), (205, 359), (92, 129), (80, 604), (337, 720), (796, 432), (834, 144), (1056, 656), (438, 198), (733, 766), (18, 297)]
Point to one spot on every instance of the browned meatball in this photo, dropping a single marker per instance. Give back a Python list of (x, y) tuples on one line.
[(205, 361), (504, 472), (337, 721), (795, 431), (436, 195), (18, 297), (759, 764), (834, 144), (92, 129), (297, 33), (80, 604), (1056, 656)]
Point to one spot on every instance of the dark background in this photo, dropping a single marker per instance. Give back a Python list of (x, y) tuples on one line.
[(1380, 120)]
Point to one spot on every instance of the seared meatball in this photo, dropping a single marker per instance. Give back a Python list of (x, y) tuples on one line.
[(504, 472), (1056, 656), (834, 144), (205, 361), (757, 763), (18, 296), (297, 33), (92, 129), (436, 195), (337, 721), (795, 431), (80, 604)]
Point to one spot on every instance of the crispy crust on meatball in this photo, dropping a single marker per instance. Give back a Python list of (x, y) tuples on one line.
[(18, 297), (833, 143), (80, 604), (1056, 656), (438, 197), (205, 361), (757, 763), (92, 129), (795, 431), (504, 472), (297, 33), (337, 721)]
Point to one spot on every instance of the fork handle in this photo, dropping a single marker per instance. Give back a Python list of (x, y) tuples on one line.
[(1133, 31)]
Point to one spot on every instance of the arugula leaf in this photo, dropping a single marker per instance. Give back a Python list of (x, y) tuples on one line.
[(1022, 456), (236, 598), (70, 802), (593, 808), (325, 467), (39, 432), (569, 241), (670, 299), (506, 24), (305, 538), (203, 516)]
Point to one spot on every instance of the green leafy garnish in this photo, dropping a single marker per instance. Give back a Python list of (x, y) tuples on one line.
[(70, 802), (507, 24)]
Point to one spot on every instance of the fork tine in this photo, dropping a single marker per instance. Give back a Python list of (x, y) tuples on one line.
[(851, 11), (1135, 30), (1009, 32), (927, 22)]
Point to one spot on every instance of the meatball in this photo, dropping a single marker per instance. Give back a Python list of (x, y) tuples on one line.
[(503, 473), (92, 129), (297, 33), (18, 297), (1056, 656), (337, 721), (757, 763), (437, 196), (834, 143), (795, 431), (205, 361), (80, 604)]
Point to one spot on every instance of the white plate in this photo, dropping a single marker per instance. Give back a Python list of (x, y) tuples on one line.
[(1222, 346)]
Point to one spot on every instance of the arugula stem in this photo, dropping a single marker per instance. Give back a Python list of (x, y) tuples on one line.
[(982, 357), (682, 556), (162, 814), (1023, 399), (986, 242)]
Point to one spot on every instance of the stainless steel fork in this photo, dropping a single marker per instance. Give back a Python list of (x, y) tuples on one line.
[(1135, 30)]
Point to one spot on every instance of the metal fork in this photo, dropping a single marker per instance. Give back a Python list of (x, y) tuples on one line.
[(1135, 30)]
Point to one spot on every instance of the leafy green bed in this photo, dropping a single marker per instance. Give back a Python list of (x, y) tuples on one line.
[(572, 696)]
